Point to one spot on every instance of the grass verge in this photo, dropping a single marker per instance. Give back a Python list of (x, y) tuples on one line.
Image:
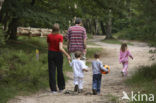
[(91, 51), (90, 54), (143, 81), (124, 34), (92, 43), (20, 71), (112, 98), (114, 41)]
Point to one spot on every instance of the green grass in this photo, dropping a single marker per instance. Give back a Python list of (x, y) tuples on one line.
[(90, 36), (152, 43), (124, 34), (144, 80), (92, 43), (114, 41), (92, 51), (20, 72), (120, 34), (112, 98)]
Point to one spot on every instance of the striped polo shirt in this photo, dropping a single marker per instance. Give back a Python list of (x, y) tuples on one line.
[(76, 36)]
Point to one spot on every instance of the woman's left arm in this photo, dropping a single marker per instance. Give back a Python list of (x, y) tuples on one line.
[(62, 50)]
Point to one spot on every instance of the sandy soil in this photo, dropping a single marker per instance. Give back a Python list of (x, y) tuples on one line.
[(112, 84)]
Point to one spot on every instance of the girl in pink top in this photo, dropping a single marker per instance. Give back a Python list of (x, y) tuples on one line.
[(124, 54)]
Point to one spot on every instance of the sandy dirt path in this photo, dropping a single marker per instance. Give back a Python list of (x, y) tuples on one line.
[(112, 84)]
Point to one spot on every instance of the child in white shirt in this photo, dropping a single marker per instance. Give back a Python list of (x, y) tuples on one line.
[(78, 70)]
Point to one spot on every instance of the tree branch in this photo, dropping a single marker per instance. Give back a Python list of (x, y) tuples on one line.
[(33, 2)]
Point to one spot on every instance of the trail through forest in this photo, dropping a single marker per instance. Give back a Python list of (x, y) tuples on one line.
[(112, 84)]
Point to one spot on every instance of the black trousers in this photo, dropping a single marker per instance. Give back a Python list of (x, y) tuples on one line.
[(55, 61)]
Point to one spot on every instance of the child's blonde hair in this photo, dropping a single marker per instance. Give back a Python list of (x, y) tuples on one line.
[(78, 54), (123, 47), (97, 55)]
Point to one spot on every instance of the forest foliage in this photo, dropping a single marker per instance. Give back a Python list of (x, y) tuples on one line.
[(135, 19), (131, 19)]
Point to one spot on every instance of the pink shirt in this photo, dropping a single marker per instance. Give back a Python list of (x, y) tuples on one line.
[(76, 36), (124, 56)]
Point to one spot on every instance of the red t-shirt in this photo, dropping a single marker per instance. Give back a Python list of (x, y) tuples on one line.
[(53, 42)]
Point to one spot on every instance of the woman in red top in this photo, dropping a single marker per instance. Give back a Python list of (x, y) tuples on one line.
[(55, 59)]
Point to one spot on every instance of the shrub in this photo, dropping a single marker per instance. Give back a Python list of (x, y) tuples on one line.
[(143, 80)]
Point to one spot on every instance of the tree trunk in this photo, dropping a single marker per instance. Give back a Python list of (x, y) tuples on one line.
[(1, 12), (97, 27), (13, 29), (94, 26), (5, 21), (90, 26), (109, 27), (109, 30), (33, 2), (128, 5), (1, 16), (86, 24), (102, 27)]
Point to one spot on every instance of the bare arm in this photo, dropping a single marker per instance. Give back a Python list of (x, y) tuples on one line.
[(85, 70), (68, 45), (85, 39), (68, 42), (85, 43), (62, 50), (130, 55), (84, 67), (102, 67)]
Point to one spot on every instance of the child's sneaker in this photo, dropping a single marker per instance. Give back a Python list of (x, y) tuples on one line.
[(54, 92), (94, 92), (76, 88), (98, 93), (60, 91), (122, 73), (80, 90)]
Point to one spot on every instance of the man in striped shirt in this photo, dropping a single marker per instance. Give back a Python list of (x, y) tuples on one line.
[(76, 37)]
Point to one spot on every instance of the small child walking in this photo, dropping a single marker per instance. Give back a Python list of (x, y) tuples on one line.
[(96, 67), (124, 54), (78, 69)]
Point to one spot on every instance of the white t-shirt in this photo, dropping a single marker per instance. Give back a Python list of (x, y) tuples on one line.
[(78, 66)]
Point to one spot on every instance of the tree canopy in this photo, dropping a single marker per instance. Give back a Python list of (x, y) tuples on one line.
[(99, 16)]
